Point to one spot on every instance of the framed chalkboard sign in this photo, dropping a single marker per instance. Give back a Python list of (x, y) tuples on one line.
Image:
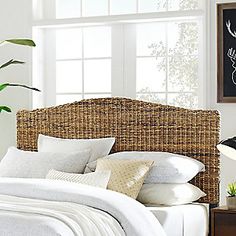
[(226, 53)]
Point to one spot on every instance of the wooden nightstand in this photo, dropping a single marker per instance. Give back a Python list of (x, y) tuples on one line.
[(223, 222)]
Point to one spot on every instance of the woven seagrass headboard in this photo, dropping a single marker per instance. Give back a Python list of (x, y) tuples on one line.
[(137, 126)]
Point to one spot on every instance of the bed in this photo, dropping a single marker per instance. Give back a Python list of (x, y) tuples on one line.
[(137, 126)]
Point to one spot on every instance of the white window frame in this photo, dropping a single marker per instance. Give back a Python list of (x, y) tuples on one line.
[(82, 59), (123, 78)]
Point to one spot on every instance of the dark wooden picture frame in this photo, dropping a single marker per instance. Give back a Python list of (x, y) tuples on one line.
[(226, 53)]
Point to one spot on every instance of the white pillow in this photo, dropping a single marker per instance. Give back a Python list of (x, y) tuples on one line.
[(99, 147), (169, 194), (167, 167), (98, 179), (24, 164)]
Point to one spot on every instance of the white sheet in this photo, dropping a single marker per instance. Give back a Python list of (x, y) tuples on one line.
[(64, 198), (183, 220)]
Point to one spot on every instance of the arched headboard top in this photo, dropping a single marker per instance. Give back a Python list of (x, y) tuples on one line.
[(137, 126)]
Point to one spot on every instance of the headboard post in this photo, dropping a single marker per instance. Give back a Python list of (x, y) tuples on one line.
[(137, 126)]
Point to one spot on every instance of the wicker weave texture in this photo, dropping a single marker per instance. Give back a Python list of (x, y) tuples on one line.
[(137, 126)]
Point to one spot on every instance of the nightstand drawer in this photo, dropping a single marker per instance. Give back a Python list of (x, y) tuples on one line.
[(223, 222)]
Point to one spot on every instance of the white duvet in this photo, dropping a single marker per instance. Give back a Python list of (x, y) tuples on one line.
[(49, 207)]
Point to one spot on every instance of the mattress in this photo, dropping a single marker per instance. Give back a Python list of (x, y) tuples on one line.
[(183, 220)]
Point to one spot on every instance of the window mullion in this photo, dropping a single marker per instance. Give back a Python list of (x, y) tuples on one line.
[(82, 41), (49, 9), (109, 7), (81, 8), (117, 67), (50, 68), (130, 60), (167, 61), (38, 77), (201, 68)]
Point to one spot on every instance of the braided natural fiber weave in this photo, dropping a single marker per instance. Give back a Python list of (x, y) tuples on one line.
[(137, 126)]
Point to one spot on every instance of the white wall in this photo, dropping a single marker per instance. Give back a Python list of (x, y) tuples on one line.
[(228, 111), (15, 18)]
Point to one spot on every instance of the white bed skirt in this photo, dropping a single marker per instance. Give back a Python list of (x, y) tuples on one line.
[(183, 220)]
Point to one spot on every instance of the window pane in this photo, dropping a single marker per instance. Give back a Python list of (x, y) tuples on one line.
[(62, 99), (97, 76), (175, 5), (152, 97), (151, 39), (183, 38), (88, 96), (151, 75), (67, 8), (97, 42), (68, 43), (69, 76), (122, 6), (95, 7), (152, 5), (183, 74), (187, 100)]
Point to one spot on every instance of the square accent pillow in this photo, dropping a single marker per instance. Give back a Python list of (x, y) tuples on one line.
[(127, 176), (97, 179), (99, 147), (24, 164)]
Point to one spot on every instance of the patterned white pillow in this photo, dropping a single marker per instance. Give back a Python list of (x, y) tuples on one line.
[(97, 179), (127, 176)]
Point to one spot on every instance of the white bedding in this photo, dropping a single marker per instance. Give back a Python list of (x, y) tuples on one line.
[(183, 220), (79, 219), (19, 224), (27, 204)]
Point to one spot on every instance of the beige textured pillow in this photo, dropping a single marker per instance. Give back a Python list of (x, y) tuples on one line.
[(127, 176), (98, 179)]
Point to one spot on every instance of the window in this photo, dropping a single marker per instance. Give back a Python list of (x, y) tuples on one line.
[(61, 9), (83, 63), (151, 50), (167, 62)]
